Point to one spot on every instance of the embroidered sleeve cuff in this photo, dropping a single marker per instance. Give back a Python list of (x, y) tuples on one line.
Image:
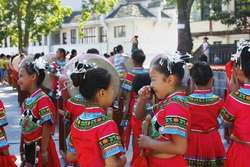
[(113, 151), (111, 145), (175, 125), (227, 116), (173, 131), (46, 116)]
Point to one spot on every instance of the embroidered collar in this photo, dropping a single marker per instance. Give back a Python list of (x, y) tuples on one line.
[(33, 97), (206, 91), (246, 86), (95, 110)]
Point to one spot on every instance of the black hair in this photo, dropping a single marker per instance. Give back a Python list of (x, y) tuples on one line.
[(93, 51), (139, 81), (92, 81), (245, 61), (119, 48), (63, 51), (37, 55), (2, 55), (167, 68), (138, 57), (31, 69), (201, 73), (203, 58), (106, 55), (73, 52)]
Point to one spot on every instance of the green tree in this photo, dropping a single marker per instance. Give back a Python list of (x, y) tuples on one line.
[(184, 7), (5, 19), (92, 8), (29, 19), (239, 18)]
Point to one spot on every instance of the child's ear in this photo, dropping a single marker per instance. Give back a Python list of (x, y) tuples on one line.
[(172, 80), (101, 92), (33, 77)]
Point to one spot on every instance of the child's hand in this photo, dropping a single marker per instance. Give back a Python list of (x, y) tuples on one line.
[(145, 92), (145, 141)]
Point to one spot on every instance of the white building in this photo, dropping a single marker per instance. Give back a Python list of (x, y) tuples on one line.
[(217, 32), (156, 30)]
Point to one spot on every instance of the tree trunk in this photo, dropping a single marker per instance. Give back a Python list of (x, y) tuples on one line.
[(19, 27), (27, 22), (185, 43)]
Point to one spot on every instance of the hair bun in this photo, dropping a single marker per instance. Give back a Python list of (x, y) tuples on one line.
[(76, 79)]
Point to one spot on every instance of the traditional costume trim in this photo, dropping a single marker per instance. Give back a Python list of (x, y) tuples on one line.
[(203, 99), (77, 100), (90, 124), (111, 145), (3, 119), (227, 116), (208, 163), (175, 125), (46, 115), (127, 82), (3, 141), (241, 96)]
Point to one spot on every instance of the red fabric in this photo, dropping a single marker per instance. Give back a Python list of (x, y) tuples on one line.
[(171, 118), (136, 128), (7, 161), (127, 131), (90, 138), (42, 109), (238, 155), (129, 77), (205, 145), (75, 107), (140, 161), (177, 161), (237, 112), (43, 102), (53, 160), (14, 78)]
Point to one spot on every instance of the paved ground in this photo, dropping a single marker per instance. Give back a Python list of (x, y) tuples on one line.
[(9, 98)]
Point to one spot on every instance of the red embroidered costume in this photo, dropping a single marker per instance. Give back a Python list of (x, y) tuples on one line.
[(37, 110), (236, 111), (205, 147), (170, 118), (5, 160), (94, 137)]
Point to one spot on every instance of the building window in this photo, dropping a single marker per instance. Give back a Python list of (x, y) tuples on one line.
[(64, 38), (102, 35), (55, 38), (46, 40), (39, 40), (89, 35), (206, 8), (73, 36), (217, 42), (11, 42), (119, 31), (5, 43), (242, 6)]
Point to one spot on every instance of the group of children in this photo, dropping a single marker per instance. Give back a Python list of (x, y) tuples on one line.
[(183, 127)]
